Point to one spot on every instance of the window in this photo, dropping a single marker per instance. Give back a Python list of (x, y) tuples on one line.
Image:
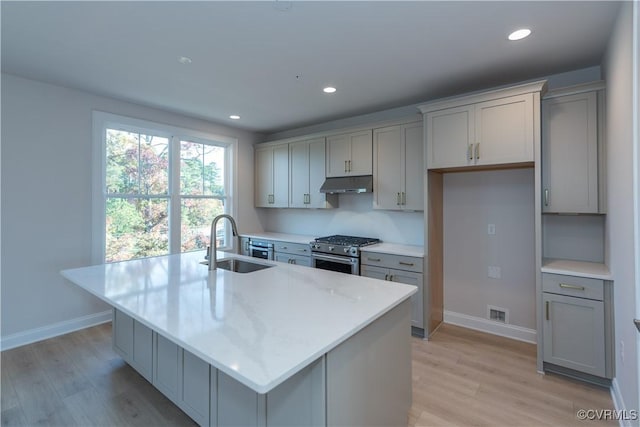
[(157, 188)]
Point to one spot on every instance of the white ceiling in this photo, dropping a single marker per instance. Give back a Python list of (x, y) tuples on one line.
[(268, 61)]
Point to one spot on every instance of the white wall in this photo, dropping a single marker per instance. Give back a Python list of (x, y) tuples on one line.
[(354, 217), (46, 200), (472, 201), (618, 73)]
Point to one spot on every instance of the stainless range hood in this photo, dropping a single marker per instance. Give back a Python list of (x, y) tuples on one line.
[(348, 184)]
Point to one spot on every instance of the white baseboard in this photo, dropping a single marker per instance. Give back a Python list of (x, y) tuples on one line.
[(618, 404), (38, 334), (491, 327)]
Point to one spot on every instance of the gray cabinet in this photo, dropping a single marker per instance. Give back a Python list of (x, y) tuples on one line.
[(292, 253), (349, 154), (398, 167), (401, 269), (488, 129), (272, 176), (570, 152), (576, 324), (133, 342), (307, 174), (166, 367)]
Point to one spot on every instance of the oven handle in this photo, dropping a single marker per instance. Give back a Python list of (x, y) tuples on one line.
[(341, 260)]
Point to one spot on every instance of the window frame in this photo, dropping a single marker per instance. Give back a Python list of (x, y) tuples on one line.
[(101, 121)]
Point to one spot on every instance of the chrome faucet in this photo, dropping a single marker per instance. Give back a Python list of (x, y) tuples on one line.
[(213, 243)]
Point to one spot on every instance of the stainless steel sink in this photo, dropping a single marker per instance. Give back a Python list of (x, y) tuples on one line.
[(238, 265)]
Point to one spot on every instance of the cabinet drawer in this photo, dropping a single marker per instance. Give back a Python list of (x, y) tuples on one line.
[(292, 248), (293, 259), (573, 286), (397, 262)]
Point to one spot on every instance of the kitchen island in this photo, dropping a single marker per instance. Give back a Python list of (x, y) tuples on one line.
[(286, 345)]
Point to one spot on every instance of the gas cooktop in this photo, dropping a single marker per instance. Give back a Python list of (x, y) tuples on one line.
[(348, 240)]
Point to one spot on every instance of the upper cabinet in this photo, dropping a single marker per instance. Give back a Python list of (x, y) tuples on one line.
[(272, 176), (570, 150), (492, 128), (349, 154), (398, 167), (307, 174)]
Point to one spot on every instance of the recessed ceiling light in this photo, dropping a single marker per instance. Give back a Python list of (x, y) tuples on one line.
[(519, 34), (234, 117), (184, 60), (329, 89)]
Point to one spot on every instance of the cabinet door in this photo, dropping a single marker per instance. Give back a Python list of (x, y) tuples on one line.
[(281, 176), (361, 160), (167, 367), (299, 174), (194, 388), (570, 154), (142, 360), (317, 174), (573, 332), (374, 272), (264, 177), (504, 131), (338, 153), (415, 279), (388, 168), (123, 335), (449, 132), (413, 187)]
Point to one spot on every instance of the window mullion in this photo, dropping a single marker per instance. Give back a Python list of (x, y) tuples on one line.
[(175, 198)]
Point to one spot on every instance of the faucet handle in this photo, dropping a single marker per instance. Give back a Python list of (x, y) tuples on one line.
[(206, 256)]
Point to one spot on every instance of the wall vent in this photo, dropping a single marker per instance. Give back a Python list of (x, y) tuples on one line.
[(497, 314)]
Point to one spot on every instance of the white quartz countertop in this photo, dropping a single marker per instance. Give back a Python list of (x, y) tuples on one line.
[(261, 327), (592, 270), (281, 237), (395, 249)]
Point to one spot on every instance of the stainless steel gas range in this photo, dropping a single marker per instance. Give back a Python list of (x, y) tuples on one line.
[(339, 253)]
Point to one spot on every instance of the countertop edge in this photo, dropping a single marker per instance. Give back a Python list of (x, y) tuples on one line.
[(589, 270)]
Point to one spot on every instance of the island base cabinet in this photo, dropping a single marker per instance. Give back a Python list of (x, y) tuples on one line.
[(369, 375), (299, 401)]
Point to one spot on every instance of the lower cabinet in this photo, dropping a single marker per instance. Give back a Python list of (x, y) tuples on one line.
[(292, 253), (577, 331), (401, 269)]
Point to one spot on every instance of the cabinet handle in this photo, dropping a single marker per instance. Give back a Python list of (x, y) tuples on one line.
[(470, 151), (398, 199), (345, 166), (391, 277), (349, 166), (410, 264), (302, 250), (478, 151), (576, 287), (404, 198), (271, 199), (546, 197), (386, 277), (373, 259), (547, 309), (284, 247)]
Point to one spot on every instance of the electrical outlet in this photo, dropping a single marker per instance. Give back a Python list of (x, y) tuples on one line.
[(491, 229), (494, 272), (622, 352)]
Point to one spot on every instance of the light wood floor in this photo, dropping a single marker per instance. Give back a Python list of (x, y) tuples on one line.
[(460, 377)]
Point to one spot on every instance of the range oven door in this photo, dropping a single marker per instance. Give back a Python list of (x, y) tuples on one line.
[(342, 264)]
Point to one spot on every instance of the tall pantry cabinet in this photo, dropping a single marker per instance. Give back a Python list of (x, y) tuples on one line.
[(577, 288)]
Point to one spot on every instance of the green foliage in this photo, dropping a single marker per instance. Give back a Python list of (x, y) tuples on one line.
[(138, 164)]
